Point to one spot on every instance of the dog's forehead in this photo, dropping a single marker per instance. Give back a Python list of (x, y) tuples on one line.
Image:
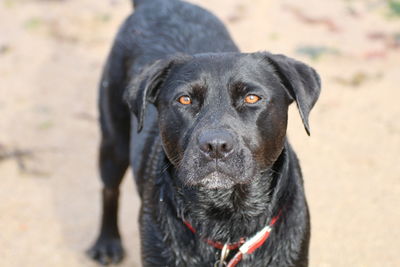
[(217, 74), (223, 69), (238, 64)]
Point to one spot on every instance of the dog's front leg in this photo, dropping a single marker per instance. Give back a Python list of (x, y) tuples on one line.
[(114, 156)]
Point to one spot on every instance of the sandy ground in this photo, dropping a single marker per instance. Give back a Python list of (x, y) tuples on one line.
[(51, 55)]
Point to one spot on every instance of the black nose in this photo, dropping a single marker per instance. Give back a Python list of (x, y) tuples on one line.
[(216, 144)]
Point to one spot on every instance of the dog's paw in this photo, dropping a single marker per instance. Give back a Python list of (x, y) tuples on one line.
[(107, 251)]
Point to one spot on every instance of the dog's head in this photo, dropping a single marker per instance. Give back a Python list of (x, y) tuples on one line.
[(223, 117)]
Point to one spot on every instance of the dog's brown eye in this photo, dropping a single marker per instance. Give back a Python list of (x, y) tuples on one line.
[(251, 99), (185, 100)]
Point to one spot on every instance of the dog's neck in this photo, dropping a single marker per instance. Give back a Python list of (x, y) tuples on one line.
[(226, 215)]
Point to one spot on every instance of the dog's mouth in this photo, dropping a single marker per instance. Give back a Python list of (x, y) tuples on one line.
[(216, 180), (201, 172)]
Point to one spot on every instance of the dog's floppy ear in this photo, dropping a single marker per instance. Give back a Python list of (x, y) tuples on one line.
[(146, 87), (301, 81)]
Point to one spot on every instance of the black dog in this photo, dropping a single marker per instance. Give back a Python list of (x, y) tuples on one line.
[(212, 164)]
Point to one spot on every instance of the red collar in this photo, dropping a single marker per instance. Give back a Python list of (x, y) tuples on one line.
[(217, 244), (245, 246)]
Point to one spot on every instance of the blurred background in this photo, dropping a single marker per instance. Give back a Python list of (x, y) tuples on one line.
[(51, 56)]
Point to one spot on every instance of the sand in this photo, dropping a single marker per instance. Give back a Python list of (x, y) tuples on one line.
[(51, 56)]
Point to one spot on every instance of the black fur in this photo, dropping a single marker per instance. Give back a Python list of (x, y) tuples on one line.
[(220, 163)]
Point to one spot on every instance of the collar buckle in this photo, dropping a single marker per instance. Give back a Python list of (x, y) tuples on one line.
[(224, 254)]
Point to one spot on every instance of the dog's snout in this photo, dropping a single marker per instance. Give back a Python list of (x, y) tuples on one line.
[(216, 144)]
